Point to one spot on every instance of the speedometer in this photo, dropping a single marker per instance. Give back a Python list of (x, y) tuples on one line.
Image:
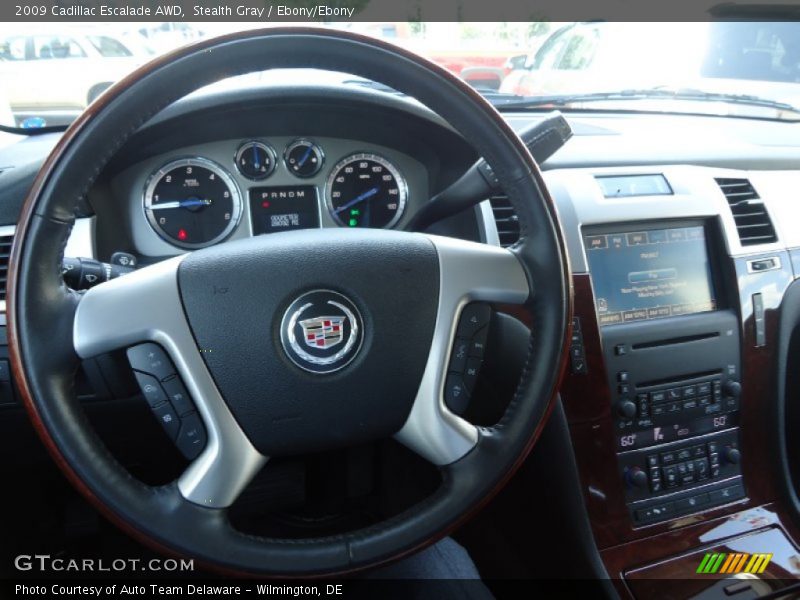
[(192, 203), (366, 190)]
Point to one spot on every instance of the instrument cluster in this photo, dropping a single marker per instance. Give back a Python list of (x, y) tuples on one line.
[(194, 201)]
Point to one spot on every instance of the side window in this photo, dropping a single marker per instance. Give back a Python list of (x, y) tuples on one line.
[(12, 48), (109, 47), (47, 47), (579, 51)]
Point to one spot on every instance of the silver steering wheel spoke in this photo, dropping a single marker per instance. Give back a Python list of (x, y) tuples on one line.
[(468, 272), (146, 306)]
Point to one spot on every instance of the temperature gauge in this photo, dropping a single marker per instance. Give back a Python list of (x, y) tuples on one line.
[(255, 160), (303, 158)]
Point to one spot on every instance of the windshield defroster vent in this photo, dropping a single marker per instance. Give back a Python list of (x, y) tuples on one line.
[(749, 212), (506, 219), (5, 252)]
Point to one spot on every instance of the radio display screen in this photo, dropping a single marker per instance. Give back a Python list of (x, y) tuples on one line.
[(650, 274)]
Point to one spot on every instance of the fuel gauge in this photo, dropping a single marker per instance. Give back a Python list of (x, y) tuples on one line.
[(255, 160), (303, 158)]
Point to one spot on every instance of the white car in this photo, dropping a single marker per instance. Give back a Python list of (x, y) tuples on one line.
[(65, 69), (717, 57)]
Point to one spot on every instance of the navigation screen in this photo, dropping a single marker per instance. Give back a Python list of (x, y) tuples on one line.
[(650, 274)]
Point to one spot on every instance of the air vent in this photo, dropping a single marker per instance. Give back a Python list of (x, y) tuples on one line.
[(5, 252), (749, 212), (506, 219)]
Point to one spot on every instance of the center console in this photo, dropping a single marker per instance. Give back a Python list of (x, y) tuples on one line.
[(671, 350)]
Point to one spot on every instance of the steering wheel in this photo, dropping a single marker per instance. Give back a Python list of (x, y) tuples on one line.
[(229, 317)]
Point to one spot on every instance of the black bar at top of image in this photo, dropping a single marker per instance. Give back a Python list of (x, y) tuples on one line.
[(342, 11)]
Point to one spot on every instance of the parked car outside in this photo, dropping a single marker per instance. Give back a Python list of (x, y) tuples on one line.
[(65, 68)]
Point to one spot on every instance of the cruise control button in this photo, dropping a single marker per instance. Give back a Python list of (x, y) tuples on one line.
[(150, 358), (456, 395), (477, 345), (151, 390), (458, 359), (169, 419), (192, 437), (178, 396), (474, 317)]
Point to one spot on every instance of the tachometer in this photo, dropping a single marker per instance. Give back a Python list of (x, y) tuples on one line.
[(366, 190), (192, 203)]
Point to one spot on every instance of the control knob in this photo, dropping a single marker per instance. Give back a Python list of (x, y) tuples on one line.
[(636, 477), (732, 389), (732, 455), (626, 409)]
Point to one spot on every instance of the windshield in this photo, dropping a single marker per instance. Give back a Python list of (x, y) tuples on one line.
[(51, 72)]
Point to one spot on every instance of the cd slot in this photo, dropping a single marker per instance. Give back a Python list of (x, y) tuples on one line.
[(685, 339)]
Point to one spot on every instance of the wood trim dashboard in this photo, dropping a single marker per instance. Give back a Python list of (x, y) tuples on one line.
[(587, 401)]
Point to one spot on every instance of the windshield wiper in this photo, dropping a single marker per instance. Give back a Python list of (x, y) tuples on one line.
[(565, 100)]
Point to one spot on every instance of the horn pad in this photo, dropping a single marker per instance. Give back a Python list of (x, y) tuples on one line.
[(316, 339)]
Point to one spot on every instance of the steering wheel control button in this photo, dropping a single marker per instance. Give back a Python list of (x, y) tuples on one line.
[(151, 389), (458, 359), (471, 371), (150, 358), (474, 317), (477, 346), (178, 396), (192, 436), (456, 395), (322, 331), (168, 419)]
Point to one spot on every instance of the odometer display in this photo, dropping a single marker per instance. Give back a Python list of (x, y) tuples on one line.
[(192, 203), (366, 190)]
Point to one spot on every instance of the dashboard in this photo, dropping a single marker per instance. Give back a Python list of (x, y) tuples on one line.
[(195, 196), (682, 248)]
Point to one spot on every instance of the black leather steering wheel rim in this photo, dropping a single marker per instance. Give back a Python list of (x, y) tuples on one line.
[(41, 308)]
